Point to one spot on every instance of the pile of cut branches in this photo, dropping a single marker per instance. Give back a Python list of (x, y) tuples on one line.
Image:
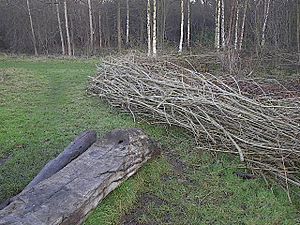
[(219, 111)]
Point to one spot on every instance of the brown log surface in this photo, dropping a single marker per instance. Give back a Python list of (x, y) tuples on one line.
[(70, 194)]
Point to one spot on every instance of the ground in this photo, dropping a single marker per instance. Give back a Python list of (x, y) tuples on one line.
[(44, 105)]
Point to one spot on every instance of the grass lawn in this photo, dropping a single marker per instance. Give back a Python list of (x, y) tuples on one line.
[(44, 105)]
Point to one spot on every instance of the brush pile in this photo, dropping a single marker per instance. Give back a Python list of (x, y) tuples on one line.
[(222, 112)]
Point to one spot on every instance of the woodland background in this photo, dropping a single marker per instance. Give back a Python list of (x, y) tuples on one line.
[(86, 27)]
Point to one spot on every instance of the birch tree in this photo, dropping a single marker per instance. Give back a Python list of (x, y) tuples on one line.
[(243, 25), (266, 15), (60, 29), (32, 28), (217, 24), (154, 42), (181, 26), (236, 25), (189, 24), (67, 28), (223, 24), (298, 28), (127, 21), (91, 25), (149, 27), (119, 25)]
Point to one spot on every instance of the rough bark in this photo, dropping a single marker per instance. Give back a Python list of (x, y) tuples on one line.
[(32, 28), (75, 149), (69, 195), (60, 29), (67, 28)]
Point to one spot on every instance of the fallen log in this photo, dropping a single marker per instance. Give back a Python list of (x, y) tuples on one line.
[(70, 194), (75, 149)]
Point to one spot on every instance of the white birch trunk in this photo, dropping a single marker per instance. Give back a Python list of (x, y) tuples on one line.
[(243, 25), (189, 24), (236, 25), (154, 51), (119, 25), (67, 28), (217, 21), (298, 28), (127, 21), (263, 35), (223, 25), (32, 28), (149, 27), (91, 25), (60, 29), (181, 26)]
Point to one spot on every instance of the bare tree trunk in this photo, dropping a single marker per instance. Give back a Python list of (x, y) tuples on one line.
[(217, 21), (149, 27), (236, 24), (298, 28), (263, 35), (141, 29), (91, 25), (231, 26), (154, 42), (32, 29), (127, 22), (189, 24), (243, 25), (119, 25), (72, 36), (60, 29), (67, 28), (100, 29), (181, 26), (223, 25), (164, 17)]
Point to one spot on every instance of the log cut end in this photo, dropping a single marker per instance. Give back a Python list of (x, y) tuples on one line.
[(69, 195)]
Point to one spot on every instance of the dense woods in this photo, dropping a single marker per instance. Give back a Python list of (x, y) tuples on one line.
[(91, 26)]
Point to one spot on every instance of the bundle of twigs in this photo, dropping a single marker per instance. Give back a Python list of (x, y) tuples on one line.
[(263, 131)]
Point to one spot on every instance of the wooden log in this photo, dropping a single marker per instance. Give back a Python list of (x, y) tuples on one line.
[(75, 149), (69, 195)]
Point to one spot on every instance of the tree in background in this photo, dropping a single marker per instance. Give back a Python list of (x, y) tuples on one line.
[(167, 24)]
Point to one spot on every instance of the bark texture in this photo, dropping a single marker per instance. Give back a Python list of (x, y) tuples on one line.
[(70, 194)]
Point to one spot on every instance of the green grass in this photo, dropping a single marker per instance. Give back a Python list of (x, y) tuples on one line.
[(44, 105)]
